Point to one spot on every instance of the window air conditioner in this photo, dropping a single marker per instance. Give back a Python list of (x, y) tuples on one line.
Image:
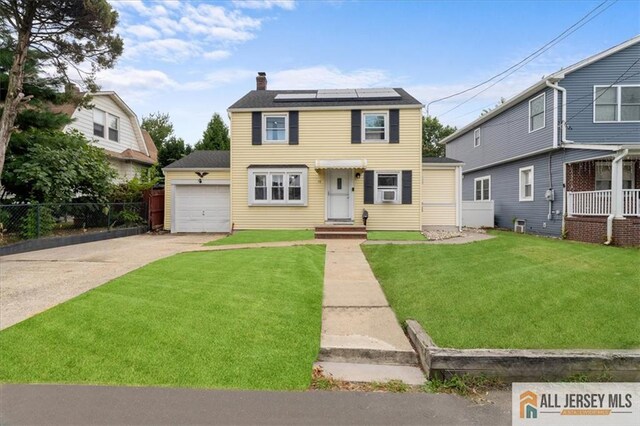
[(519, 226), (388, 195)]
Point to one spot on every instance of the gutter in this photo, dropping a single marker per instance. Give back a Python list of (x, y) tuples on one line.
[(614, 193)]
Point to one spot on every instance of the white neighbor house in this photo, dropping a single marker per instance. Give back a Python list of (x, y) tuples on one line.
[(113, 126)]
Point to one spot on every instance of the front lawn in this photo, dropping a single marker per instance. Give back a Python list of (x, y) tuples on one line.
[(396, 235), (515, 291), (264, 236), (247, 319)]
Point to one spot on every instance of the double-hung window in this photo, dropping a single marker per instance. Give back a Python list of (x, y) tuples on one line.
[(274, 128), (476, 138), (114, 128), (603, 175), (376, 127), (526, 184), (536, 113), (99, 119), (482, 188), (277, 186), (616, 104), (388, 187)]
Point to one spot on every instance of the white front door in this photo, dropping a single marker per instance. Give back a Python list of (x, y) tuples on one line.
[(339, 195)]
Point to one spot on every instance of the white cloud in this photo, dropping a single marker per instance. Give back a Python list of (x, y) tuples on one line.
[(133, 82), (168, 50), (219, 23), (141, 31), (219, 78), (216, 55), (327, 77), (265, 4)]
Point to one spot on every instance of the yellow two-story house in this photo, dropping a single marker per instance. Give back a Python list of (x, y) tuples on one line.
[(309, 158)]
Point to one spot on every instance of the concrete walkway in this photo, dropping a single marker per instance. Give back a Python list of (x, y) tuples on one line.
[(360, 333), (35, 281), (467, 237), (92, 405)]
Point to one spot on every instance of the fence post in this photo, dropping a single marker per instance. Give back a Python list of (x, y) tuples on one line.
[(38, 220)]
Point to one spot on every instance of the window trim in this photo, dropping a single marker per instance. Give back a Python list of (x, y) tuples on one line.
[(117, 129), (482, 178), (521, 196), (266, 141), (363, 138), (377, 199), (269, 171), (618, 103), (543, 95), (479, 138)]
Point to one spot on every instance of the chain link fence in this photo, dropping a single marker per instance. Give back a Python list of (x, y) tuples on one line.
[(30, 221)]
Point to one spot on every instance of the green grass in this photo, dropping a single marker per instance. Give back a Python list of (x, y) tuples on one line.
[(396, 235), (515, 291), (246, 319), (263, 236)]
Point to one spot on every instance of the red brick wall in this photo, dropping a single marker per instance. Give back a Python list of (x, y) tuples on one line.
[(637, 162), (626, 232), (581, 176), (593, 229)]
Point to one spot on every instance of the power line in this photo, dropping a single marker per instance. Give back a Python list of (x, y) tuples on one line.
[(509, 71)]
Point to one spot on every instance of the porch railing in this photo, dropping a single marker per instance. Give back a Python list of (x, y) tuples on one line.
[(598, 203)]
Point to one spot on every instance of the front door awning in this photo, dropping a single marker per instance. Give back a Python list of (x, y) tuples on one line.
[(341, 164)]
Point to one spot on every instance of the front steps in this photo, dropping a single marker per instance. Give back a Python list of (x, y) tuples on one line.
[(341, 232)]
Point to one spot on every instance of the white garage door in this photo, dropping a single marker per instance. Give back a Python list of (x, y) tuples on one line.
[(201, 208)]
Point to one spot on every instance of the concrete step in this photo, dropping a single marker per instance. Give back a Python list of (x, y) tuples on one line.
[(340, 228), (368, 356), (368, 373), (341, 235)]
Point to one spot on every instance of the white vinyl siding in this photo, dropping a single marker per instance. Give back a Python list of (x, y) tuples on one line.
[(614, 104), (482, 188), (375, 127), (537, 113), (269, 186), (526, 183)]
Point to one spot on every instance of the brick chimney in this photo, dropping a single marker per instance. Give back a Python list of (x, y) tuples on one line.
[(261, 81)]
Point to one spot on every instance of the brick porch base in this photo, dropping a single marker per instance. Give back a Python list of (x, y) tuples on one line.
[(593, 229)]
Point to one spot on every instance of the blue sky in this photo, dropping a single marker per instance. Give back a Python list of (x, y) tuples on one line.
[(194, 58)]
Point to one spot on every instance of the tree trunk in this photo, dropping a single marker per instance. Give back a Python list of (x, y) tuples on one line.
[(16, 79)]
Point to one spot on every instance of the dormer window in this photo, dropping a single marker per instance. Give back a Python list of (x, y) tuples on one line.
[(376, 127), (275, 128)]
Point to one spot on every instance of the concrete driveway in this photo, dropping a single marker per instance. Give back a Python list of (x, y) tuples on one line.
[(33, 282)]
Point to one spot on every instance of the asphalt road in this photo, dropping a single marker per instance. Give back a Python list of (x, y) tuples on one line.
[(70, 404)]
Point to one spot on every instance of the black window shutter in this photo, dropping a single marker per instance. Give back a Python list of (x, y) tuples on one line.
[(256, 128), (356, 126), (368, 187), (394, 126), (293, 127), (406, 187)]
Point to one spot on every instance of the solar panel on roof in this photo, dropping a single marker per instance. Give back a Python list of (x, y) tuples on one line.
[(377, 93), (294, 96), (337, 94)]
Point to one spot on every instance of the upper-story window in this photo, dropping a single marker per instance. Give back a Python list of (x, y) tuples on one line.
[(99, 118), (275, 128), (476, 138), (376, 127), (536, 113), (616, 104), (114, 128)]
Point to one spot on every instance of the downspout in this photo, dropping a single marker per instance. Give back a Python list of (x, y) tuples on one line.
[(614, 193), (563, 125), (459, 196)]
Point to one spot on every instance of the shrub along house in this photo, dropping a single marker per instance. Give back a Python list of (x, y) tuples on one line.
[(315, 158), (563, 157)]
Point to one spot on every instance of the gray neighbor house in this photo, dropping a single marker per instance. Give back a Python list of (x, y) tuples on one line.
[(562, 158)]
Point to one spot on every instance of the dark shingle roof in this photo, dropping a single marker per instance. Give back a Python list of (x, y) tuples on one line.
[(257, 99), (440, 160), (203, 160)]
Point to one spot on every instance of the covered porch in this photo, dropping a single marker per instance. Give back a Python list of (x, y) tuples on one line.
[(603, 199)]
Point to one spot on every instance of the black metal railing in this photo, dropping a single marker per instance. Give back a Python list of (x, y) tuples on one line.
[(30, 221)]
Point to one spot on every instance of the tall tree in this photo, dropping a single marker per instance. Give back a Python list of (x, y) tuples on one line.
[(66, 33), (172, 150), (215, 136), (159, 126), (432, 133)]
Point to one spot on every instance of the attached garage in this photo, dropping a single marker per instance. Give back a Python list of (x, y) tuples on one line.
[(197, 193), (441, 193)]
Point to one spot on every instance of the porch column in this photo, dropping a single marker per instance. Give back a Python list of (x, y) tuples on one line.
[(617, 199)]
